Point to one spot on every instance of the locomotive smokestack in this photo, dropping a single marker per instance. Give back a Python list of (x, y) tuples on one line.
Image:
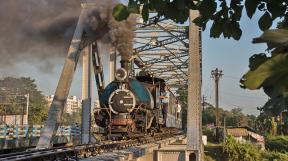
[(125, 65)]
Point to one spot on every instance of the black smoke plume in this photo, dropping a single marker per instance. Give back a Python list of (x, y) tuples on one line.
[(40, 31)]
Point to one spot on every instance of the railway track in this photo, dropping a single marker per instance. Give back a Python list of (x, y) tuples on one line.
[(74, 153)]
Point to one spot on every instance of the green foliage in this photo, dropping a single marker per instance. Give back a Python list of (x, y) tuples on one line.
[(251, 6), (69, 119), (252, 121), (264, 124), (210, 133), (277, 143), (265, 21), (120, 12), (182, 97), (274, 126), (231, 150), (275, 38), (257, 60), (274, 67), (235, 151), (209, 115), (274, 156), (214, 152), (208, 158), (225, 15), (270, 72), (234, 117), (21, 86)]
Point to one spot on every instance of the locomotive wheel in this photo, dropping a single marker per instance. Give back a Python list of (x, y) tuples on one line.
[(100, 118)]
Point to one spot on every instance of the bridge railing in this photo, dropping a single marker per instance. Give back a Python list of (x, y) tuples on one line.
[(16, 136)]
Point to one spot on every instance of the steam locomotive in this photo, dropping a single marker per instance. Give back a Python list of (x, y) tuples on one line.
[(133, 105)]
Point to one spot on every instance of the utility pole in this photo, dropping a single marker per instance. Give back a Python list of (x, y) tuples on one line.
[(27, 107), (216, 75), (203, 102), (224, 127)]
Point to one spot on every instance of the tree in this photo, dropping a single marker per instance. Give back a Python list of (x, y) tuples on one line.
[(209, 115), (234, 117), (182, 97), (252, 121), (235, 150), (225, 15), (11, 87), (270, 72), (264, 123), (69, 119)]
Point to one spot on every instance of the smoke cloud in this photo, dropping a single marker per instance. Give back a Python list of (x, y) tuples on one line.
[(40, 31)]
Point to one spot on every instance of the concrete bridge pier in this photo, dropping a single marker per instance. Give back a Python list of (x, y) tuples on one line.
[(192, 149)]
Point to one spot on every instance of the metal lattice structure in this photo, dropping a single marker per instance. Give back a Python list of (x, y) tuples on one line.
[(161, 48)]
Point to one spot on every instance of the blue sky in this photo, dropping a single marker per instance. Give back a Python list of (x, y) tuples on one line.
[(227, 54), (233, 58)]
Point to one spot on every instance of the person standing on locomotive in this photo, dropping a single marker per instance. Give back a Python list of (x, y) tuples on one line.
[(165, 100)]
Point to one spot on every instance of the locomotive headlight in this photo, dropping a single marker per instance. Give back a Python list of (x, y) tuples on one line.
[(121, 74)]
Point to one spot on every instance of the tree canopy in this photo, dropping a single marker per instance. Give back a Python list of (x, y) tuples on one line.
[(69, 119), (13, 90), (234, 117), (224, 15)]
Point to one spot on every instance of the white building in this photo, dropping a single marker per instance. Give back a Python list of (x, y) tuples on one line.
[(72, 105)]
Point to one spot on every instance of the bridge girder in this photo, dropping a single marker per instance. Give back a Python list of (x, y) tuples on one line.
[(162, 49)]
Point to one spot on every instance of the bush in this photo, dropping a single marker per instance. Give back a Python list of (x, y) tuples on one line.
[(236, 151), (208, 158), (274, 156), (210, 134), (214, 151), (277, 143), (232, 150)]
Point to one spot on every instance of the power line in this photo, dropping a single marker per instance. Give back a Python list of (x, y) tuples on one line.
[(232, 77), (247, 97)]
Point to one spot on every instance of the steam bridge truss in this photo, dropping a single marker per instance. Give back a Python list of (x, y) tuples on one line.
[(161, 48)]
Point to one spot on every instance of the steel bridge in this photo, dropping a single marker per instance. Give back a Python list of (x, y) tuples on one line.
[(162, 48)]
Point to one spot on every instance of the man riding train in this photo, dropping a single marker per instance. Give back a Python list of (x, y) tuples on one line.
[(175, 107), (165, 102)]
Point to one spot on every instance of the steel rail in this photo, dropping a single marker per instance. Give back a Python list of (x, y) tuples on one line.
[(80, 151)]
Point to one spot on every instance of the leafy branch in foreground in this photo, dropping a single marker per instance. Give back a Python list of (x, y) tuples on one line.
[(225, 15), (270, 72)]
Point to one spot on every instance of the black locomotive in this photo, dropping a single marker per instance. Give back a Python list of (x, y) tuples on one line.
[(132, 105)]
